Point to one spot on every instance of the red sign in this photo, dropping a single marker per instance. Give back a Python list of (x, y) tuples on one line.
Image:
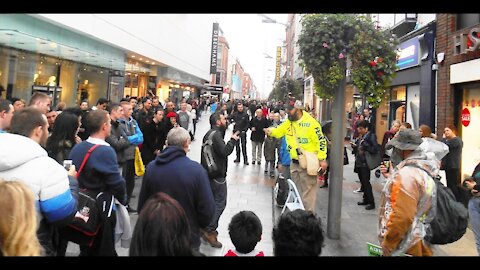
[(466, 117)]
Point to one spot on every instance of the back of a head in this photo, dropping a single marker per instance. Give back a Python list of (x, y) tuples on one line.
[(5, 105), (26, 120), (101, 101), (38, 97), (426, 131), (95, 120), (298, 233), (245, 230), (20, 228), (178, 136), (162, 229)]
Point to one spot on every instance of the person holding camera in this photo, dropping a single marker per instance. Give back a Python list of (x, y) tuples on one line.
[(218, 181)]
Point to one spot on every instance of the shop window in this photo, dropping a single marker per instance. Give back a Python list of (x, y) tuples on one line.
[(399, 92), (465, 20), (468, 130)]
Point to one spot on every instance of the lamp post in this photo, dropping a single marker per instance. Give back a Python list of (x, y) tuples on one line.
[(336, 158)]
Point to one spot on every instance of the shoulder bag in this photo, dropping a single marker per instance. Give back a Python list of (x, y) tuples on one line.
[(306, 159)]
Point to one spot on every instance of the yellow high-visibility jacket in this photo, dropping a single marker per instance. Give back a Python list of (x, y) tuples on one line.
[(309, 134)]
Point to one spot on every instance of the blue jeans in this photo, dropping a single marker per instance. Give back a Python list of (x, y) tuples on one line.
[(219, 190), (474, 213)]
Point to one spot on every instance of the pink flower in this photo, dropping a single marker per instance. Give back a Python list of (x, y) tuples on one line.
[(341, 56), (325, 45)]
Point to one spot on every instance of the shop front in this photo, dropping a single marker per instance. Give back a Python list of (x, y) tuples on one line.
[(412, 95), (466, 83), (36, 55)]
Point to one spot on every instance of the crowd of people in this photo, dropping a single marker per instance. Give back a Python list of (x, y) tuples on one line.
[(177, 195), (181, 200)]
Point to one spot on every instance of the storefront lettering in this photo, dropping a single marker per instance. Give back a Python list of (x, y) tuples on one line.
[(474, 38)]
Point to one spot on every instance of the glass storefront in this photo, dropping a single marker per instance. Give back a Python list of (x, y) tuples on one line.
[(468, 129), (23, 72)]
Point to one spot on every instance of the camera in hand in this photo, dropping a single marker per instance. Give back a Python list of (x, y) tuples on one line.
[(67, 163)]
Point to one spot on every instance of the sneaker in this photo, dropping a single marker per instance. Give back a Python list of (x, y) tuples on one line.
[(324, 186), (358, 191), (246, 163), (253, 162), (266, 172), (236, 160), (370, 206), (272, 175), (259, 163), (362, 203)]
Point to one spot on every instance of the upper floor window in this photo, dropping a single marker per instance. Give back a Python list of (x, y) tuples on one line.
[(465, 20)]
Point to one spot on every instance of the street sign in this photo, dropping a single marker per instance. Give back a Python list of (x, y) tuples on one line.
[(374, 250), (466, 117)]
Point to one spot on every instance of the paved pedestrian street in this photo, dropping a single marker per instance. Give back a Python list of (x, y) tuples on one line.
[(250, 189)]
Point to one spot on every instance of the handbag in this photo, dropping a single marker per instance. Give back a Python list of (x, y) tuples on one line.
[(373, 160), (139, 166), (307, 160), (86, 222)]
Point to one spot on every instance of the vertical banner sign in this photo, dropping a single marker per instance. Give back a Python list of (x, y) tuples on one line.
[(277, 69), (213, 57)]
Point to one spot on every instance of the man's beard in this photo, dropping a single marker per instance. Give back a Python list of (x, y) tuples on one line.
[(293, 117)]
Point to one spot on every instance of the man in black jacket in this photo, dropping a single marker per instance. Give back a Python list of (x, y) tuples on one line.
[(218, 181), (242, 123)]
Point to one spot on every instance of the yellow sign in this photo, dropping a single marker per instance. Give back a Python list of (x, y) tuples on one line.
[(279, 58)]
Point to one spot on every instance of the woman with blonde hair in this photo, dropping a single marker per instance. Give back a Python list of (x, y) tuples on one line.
[(18, 225)]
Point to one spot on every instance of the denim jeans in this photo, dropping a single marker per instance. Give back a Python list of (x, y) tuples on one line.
[(219, 190), (474, 213)]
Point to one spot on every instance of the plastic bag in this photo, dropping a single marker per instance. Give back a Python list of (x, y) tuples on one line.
[(139, 167)]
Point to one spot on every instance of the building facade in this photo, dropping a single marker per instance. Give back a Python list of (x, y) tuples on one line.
[(458, 98), (87, 56)]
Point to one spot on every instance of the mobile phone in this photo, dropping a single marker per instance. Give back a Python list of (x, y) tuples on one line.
[(67, 163), (386, 163)]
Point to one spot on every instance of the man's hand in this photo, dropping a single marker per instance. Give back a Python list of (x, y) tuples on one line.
[(268, 131), (254, 129), (235, 136), (323, 164), (72, 171)]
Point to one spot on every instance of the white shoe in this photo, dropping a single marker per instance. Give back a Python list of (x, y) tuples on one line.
[(357, 191)]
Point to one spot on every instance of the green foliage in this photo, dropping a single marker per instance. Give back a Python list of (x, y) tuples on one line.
[(282, 87), (326, 40)]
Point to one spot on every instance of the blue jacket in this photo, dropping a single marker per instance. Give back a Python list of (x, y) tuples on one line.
[(101, 170), (284, 154), (185, 180), (134, 135)]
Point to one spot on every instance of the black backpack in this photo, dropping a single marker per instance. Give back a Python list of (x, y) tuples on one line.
[(207, 153), (451, 218)]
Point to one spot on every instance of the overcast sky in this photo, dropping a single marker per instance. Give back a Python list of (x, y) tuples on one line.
[(249, 39)]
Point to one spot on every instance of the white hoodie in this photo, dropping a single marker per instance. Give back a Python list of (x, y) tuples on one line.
[(23, 159)]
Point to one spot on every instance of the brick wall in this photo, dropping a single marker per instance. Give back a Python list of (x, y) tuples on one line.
[(446, 24)]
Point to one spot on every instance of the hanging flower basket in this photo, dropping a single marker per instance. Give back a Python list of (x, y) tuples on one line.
[(327, 39)]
